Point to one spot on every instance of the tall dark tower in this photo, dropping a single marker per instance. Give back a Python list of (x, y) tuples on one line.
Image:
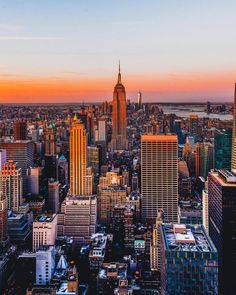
[(119, 141), (20, 130), (233, 163)]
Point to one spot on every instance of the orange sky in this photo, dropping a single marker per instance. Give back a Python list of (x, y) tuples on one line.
[(155, 88)]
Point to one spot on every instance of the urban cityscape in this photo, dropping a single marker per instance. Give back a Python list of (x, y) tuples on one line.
[(124, 195)]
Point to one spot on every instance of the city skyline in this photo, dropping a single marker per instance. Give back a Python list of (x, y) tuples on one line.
[(64, 52)]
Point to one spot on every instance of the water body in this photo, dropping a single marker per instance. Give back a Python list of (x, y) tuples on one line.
[(186, 111)]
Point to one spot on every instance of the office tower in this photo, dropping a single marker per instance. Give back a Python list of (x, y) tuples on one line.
[(63, 170), (44, 231), (78, 158), (108, 198), (102, 132), (50, 148), (78, 218), (110, 179), (20, 130), (222, 225), (177, 130), (34, 175), (88, 191), (20, 226), (193, 125), (205, 208), (45, 264), (3, 220), (50, 166), (11, 185), (119, 141), (233, 163), (3, 157), (189, 263), (135, 182), (53, 195), (159, 176), (223, 149), (22, 153), (208, 107), (139, 100), (204, 159), (123, 224), (94, 159), (155, 250)]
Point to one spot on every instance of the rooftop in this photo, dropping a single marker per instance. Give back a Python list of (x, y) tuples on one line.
[(114, 270), (45, 218), (187, 238)]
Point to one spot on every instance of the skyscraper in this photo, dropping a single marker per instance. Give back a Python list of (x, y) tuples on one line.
[(78, 158), (3, 219), (119, 141), (189, 262), (3, 157), (44, 231), (139, 100), (204, 159), (223, 149), (159, 176), (22, 153), (50, 141), (233, 162), (193, 125), (222, 225), (20, 130), (11, 185)]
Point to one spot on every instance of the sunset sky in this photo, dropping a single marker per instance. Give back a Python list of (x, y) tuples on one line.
[(68, 50)]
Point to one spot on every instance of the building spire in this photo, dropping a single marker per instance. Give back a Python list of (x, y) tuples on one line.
[(119, 75)]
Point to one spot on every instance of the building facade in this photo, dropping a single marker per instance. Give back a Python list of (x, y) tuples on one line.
[(159, 176), (189, 263), (222, 225)]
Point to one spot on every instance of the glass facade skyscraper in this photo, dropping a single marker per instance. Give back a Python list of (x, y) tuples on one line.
[(222, 225), (189, 263), (222, 149)]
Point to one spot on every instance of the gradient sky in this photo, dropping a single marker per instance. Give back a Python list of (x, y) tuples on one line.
[(68, 50)]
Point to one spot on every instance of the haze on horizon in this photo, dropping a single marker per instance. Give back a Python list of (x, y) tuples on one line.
[(172, 50)]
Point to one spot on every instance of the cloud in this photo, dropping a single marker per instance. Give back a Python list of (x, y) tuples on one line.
[(25, 38)]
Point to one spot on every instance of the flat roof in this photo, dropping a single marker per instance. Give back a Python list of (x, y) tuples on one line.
[(159, 137), (45, 218), (186, 238)]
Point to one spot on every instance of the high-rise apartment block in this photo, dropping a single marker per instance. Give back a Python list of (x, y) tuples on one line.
[(159, 176)]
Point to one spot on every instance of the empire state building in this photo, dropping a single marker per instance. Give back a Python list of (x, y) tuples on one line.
[(119, 141)]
